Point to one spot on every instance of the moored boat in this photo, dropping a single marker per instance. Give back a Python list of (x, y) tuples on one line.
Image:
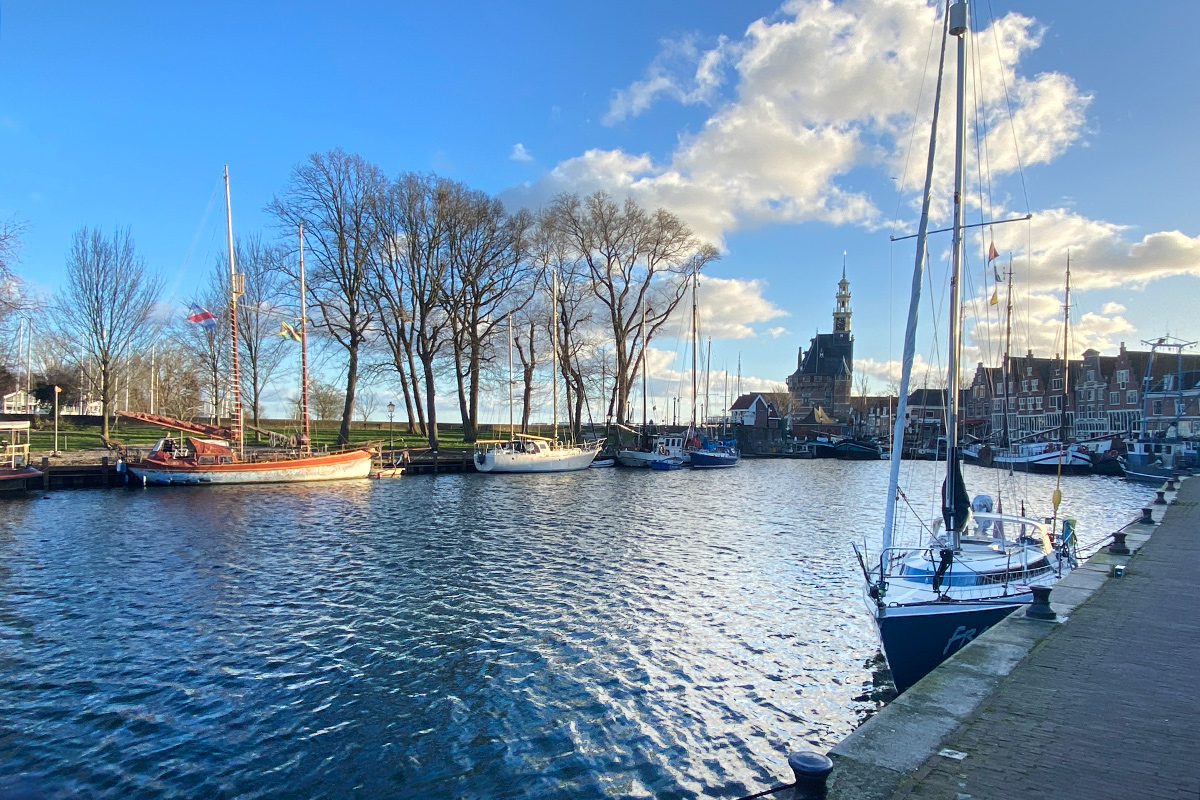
[(15, 472)]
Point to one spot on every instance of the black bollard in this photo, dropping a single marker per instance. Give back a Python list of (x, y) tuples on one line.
[(1118, 546), (1040, 607), (1147, 516), (1161, 499), (1170, 487), (812, 771)]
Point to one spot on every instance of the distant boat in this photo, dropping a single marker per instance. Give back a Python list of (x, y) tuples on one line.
[(715, 457), (648, 452), (853, 449), (667, 464), (15, 471), (216, 455), (603, 463)]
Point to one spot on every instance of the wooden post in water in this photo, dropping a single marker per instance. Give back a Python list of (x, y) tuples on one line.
[(45, 472)]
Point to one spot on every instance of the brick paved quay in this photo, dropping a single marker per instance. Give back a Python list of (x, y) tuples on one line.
[(1103, 705)]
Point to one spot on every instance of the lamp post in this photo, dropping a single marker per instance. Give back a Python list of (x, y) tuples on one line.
[(391, 439), (57, 389)]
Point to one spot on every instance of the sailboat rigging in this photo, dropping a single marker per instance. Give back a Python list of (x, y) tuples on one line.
[(976, 567), (217, 454)]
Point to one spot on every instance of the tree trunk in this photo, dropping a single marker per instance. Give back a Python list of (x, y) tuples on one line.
[(471, 433), (461, 386), (430, 395), (351, 381)]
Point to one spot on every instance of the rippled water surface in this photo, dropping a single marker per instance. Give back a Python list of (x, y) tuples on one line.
[(596, 634)]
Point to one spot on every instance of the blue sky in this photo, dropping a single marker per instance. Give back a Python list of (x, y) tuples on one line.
[(125, 114)]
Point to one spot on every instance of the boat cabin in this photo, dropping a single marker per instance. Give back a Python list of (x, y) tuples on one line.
[(202, 452), (14, 436)]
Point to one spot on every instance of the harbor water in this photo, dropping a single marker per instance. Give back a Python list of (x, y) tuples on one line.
[(607, 633)]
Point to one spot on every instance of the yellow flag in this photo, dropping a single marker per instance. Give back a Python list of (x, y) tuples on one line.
[(995, 298)]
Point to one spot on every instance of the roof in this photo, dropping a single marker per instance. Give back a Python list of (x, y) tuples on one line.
[(745, 401), (828, 354), (928, 397)]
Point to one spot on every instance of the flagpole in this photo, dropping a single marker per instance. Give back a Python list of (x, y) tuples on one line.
[(57, 389)]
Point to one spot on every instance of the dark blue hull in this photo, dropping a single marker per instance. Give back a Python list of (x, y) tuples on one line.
[(703, 460), (915, 643)]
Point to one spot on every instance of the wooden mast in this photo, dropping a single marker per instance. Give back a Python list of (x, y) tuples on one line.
[(305, 440), (236, 287)]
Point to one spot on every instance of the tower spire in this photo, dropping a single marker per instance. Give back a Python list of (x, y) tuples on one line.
[(841, 315)]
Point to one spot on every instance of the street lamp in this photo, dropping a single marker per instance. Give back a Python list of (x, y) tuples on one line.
[(391, 439), (57, 389)]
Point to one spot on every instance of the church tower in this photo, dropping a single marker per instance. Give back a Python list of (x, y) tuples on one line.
[(841, 316)]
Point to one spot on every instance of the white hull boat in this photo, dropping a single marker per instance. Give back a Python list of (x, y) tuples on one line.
[(534, 455)]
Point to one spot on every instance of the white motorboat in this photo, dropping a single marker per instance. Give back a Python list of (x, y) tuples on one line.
[(525, 453)]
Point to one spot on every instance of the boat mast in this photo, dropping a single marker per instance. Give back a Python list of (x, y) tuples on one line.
[(958, 29), (512, 429), (1007, 346), (236, 287), (305, 441), (707, 376), (914, 303), (554, 346), (1062, 419), (645, 429), (695, 342)]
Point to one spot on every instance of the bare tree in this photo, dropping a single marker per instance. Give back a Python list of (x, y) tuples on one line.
[(324, 400), (107, 303), (367, 403), (409, 282), (332, 194), (177, 387), (489, 274), (635, 260)]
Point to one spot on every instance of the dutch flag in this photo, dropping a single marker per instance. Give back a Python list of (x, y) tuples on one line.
[(201, 316)]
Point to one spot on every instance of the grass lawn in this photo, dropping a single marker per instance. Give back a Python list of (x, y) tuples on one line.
[(87, 437)]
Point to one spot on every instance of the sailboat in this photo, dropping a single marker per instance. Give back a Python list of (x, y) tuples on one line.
[(1052, 457), (975, 567), (523, 452), (216, 454), (667, 450), (700, 452)]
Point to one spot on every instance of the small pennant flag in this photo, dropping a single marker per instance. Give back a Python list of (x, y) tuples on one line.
[(995, 298), (288, 331), (996, 272), (201, 316), (57, 389), (992, 254)]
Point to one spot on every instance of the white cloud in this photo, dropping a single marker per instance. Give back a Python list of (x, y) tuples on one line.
[(663, 78), (729, 306), (818, 90), (1113, 308), (775, 333), (519, 153)]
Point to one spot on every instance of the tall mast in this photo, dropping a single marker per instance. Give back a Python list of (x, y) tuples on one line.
[(305, 443), (645, 429), (554, 346), (958, 29), (20, 345), (910, 331), (512, 428), (1062, 424), (707, 376), (236, 287), (1007, 346), (695, 342)]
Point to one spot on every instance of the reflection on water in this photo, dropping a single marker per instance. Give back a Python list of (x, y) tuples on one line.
[(597, 634)]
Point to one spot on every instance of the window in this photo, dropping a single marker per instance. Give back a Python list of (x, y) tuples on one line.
[(1123, 376), (1033, 385), (1180, 406), (1028, 371), (1114, 398), (1010, 386), (1038, 401), (997, 405), (1091, 373), (1091, 394), (1055, 402), (1157, 408), (1056, 384), (1024, 386), (1022, 403), (1131, 396)]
